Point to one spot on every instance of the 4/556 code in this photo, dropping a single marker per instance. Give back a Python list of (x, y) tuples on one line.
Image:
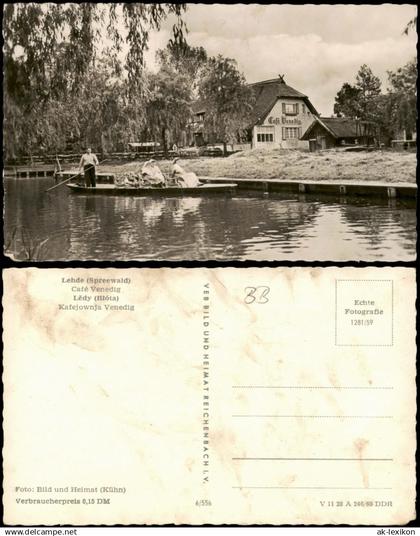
[(203, 502)]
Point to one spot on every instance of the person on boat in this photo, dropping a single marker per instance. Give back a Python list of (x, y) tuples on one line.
[(152, 175), (57, 169), (131, 180), (88, 164), (184, 178)]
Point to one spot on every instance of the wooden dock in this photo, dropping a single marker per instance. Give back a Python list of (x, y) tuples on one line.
[(34, 172), (338, 188)]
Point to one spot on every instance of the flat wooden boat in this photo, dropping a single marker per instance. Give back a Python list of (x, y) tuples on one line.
[(111, 189)]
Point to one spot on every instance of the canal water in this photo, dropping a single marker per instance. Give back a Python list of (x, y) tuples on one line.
[(64, 226)]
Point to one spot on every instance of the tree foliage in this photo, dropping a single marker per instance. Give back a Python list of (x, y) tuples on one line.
[(402, 97), (188, 74), (181, 57), (411, 25), (369, 86), (51, 52), (347, 101), (226, 98), (168, 106), (101, 114), (392, 111), (359, 100)]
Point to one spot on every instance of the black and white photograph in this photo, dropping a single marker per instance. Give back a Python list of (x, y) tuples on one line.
[(193, 132)]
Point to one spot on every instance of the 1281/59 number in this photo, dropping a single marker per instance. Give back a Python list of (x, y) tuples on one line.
[(362, 322)]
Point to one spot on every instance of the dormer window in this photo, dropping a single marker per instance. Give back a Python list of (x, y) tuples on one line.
[(290, 109)]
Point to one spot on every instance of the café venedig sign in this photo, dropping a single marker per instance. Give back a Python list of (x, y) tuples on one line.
[(284, 121)]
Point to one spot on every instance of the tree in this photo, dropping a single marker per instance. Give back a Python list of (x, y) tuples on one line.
[(104, 115), (101, 114), (227, 99), (347, 101), (359, 100), (50, 49), (402, 97), (382, 119), (168, 105), (184, 59), (411, 25), (369, 86), (38, 29)]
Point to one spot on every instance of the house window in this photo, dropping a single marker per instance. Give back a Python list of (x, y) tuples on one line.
[(264, 138), (290, 109), (291, 133)]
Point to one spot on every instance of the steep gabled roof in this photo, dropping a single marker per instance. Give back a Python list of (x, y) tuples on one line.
[(341, 127), (268, 92)]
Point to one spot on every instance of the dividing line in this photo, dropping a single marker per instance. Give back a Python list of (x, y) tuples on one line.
[(320, 459), (303, 387), (319, 416), (305, 487)]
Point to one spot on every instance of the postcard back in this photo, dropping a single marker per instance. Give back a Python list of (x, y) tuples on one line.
[(238, 396)]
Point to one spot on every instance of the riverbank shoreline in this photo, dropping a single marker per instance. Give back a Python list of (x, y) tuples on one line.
[(290, 165), (381, 166), (320, 187), (341, 188)]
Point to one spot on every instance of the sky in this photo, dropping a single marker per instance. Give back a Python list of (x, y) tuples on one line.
[(316, 47)]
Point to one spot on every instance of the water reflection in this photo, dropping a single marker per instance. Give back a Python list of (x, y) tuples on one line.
[(258, 226)]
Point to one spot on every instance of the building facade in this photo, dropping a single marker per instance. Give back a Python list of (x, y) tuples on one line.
[(330, 132), (281, 115), (404, 139)]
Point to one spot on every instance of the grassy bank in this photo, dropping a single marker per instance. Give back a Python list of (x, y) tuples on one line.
[(266, 164)]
